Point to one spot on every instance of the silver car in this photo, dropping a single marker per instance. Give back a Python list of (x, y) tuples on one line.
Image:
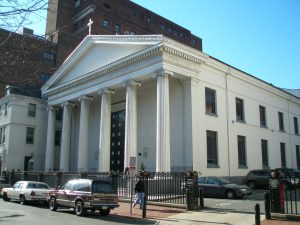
[(26, 191)]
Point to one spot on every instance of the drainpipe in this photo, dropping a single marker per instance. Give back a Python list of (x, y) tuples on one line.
[(227, 115)]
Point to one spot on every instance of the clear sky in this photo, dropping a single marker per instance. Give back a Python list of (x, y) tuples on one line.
[(260, 37)]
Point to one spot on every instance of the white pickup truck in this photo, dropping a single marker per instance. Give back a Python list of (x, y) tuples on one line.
[(25, 191)]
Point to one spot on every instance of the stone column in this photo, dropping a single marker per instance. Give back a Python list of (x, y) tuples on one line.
[(65, 137), (49, 162), (130, 122), (83, 133), (163, 123), (105, 123)]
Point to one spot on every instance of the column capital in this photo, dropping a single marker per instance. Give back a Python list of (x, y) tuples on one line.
[(106, 91), (52, 107), (164, 72), (85, 98), (68, 104), (132, 83)]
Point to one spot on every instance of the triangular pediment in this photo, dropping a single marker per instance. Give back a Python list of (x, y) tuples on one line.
[(96, 52)]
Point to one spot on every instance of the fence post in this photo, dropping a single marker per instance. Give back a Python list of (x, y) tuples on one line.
[(257, 214), (201, 195), (145, 177), (267, 206)]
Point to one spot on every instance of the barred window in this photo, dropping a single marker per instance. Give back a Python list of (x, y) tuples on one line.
[(239, 103), (262, 116), (282, 154), (212, 148), (296, 125), (29, 135), (242, 151), (280, 120), (210, 101), (31, 110), (264, 151)]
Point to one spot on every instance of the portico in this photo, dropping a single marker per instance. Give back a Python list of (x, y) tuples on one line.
[(107, 74)]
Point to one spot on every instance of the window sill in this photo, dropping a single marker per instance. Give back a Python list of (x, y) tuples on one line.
[(211, 114), (243, 167), (213, 166)]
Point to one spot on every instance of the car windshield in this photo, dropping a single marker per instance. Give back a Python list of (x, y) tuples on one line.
[(223, 181), (103, 187)]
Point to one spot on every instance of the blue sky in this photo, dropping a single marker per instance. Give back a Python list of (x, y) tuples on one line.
[(260, 37)]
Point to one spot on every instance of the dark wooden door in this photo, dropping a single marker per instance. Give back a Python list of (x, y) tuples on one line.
[(117, 141)]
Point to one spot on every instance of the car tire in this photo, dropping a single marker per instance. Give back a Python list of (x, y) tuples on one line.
[(251, 184), (22, 200), (79, 210), (230, 194), (5, 198), (104, 212), (52, 204)]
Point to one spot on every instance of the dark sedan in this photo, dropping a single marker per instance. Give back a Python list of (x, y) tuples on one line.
[(221, 187)]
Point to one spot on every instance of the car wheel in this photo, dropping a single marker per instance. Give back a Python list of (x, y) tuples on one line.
[(52, 204), (104, 212), (230, 194), (79, 210), (252, 184), (22, 200), (5, 198)]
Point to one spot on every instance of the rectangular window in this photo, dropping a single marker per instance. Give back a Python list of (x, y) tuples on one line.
[(105, 23), (264, 153), (212, 149), (282, 153), (58, 114), (2, 135), (117, 28), (48, 57), (31, 110), (5, 109), (298, 156), (210, 100), (57, 137), (280, 120), (77, 3), (242, 151), (296, 125), (239, 104), (29, 135), (262, 116)]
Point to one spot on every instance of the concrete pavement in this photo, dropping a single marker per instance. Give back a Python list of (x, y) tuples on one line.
[(175, 216)]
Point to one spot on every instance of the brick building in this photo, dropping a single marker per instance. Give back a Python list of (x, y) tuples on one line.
[(26, 61), (67, 23)]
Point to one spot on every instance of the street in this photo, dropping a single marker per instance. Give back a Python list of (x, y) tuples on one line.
[(12, 213)]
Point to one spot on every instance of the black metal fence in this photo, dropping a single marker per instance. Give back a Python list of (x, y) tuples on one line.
[(165, 188), (285, 195)]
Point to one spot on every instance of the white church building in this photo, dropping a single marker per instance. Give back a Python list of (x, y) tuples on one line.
[(172, 107)]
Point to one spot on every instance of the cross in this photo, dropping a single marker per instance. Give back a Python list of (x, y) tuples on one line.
[(90, 25)]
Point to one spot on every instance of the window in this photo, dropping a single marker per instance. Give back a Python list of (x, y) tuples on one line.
[(29, 135), (262, 116), (58, 114), (264, 151), (212, 150), (77, 3), (133, 12), (239, 104), (117, 28), (282, 153), (194, 42), (31, 110), (242, 151), (2, 135), (296, 125), (49, 57), (45, 77), (280, 120), (105, 23), (5, 109), (57, 137), (298, 156), (162, 26), (210, 101)]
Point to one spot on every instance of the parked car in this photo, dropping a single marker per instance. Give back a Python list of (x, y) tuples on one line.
[(258, 178), (26, 191), (85, 194), (3, 184), (221, 187)]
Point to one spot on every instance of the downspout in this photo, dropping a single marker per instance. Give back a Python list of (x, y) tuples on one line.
[(227, 115)]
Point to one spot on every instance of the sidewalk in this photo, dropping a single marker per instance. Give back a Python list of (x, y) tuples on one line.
[(175, 216)]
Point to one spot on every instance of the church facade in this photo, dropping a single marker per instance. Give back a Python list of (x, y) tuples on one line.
[(170, 106)]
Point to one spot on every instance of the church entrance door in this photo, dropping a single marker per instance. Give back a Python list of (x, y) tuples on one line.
[(117, 141)]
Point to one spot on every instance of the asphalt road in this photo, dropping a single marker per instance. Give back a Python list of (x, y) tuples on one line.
[(12, 213)]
